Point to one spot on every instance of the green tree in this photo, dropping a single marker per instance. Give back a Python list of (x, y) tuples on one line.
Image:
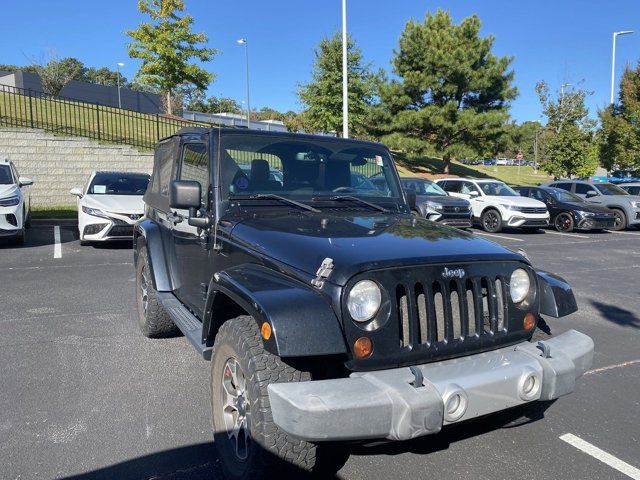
[(55, 74), (167, 47), (619, 137), (102, 76), (519, 138), (453, 94), (569, 144), (322, 96)]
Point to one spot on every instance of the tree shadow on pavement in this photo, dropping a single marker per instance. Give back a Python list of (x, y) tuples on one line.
[(617, 315)]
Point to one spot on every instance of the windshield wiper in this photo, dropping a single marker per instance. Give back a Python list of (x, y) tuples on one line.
[(273, 196), (351, 198)]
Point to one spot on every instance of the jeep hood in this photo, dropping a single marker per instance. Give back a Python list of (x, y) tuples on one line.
[(115, 203), (361, 242)]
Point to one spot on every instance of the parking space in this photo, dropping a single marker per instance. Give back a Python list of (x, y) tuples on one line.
[(84, 394)]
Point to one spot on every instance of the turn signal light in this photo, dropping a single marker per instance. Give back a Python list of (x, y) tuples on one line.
[(529, 321), (265, 331), (363, 347)]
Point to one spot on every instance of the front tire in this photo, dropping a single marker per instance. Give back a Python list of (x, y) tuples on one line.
[(154, 322), (564, 223), (249, 443), (621, 220), (491, 221)]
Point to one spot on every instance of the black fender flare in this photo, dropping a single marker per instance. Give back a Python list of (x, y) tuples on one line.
[(302, 321), (556, 297), (147, 233)]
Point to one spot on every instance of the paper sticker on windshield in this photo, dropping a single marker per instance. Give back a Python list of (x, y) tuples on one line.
[(379, 160), (99, 189)]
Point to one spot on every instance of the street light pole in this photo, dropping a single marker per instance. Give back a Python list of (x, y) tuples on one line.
[(118, 65), (345, 78), (613, 60), (243, 41), (562, 89)]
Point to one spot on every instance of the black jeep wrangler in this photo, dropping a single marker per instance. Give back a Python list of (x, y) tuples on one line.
[(328, 311)]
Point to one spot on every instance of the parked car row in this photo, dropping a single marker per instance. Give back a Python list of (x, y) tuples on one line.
[(503, 161)]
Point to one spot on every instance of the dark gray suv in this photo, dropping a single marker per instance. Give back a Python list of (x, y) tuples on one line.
[(625, 206)]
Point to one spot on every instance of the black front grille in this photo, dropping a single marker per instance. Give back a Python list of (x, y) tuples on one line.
[(538, 210), (454, 209), (427, 316), (121, 231), (535, 223)]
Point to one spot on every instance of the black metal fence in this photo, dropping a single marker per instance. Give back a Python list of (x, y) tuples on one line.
[(27, 108)]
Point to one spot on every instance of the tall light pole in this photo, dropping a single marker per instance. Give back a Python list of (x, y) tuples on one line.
[(562, 89), (613, 60), (118, 65), (243, 41), (345, 78)]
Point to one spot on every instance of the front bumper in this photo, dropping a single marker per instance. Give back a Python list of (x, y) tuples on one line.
[(527, 220), (100, 229), (385, 404), (11, 220)]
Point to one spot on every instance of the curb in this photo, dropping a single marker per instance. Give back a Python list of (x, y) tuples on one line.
[(54, 221)]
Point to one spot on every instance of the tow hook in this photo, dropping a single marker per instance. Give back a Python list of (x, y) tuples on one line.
[(545, 349), (418, 378)]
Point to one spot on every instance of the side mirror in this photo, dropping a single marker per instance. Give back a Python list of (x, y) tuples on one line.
[(411, 198), (24, 181), (186, 194), (77, 192), (592, 193), (474, 194)]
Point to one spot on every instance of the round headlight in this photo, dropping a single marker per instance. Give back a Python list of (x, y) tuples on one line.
[(519, 285), (364, 300)]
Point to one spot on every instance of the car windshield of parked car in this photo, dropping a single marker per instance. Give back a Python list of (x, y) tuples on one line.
[(108, 183), (5, 175), (498, 189), (424, 187), (610, 189), (564, 196), (305, 169)]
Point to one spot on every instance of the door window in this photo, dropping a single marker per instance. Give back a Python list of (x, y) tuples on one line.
[(538, 194), (194, 165), (468, 188), (584, 188), (453, 186)]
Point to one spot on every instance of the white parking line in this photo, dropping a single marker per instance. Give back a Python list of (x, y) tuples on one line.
[(57, 248), (624, 233), (498, 236), (601, 455), (574, 235)]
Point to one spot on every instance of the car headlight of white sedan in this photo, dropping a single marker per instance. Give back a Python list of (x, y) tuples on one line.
[(10, 201), (94, 212)]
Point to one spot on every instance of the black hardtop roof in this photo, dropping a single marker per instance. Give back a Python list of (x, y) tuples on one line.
[(291, 135)]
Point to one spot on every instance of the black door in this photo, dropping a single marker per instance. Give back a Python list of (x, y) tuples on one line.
[(191, 244)]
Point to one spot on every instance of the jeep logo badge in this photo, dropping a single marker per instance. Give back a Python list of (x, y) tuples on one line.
[(457, 209), (453, 272)]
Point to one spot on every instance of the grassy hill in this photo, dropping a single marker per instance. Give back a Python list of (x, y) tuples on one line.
[(431, 168)]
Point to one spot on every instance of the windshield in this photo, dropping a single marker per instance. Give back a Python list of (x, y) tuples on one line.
[(111, 183), (610, 189), (5, 175), (423, 187), (564, 196), (305, 169), (498, 189)]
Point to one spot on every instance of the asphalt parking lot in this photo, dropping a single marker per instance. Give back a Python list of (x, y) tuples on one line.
[(84, 395)]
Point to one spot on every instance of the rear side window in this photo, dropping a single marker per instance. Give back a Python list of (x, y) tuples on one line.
[(523, 191), (195, 166), (583, 188), (452, 186), (633, 190)]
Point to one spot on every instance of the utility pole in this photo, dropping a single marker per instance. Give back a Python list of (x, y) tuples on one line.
[(345, 78), (613, 60), (243, 41), (118, 65)]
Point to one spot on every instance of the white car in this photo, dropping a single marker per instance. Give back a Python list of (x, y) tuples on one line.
[(110, 205), (15, 202), (495, 205)]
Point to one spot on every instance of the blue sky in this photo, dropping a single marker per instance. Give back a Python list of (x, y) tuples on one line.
[(552, 40)]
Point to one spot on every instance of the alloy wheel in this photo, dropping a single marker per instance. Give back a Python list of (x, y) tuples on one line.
[(144, 290), (236, 408), (563, 223), (491, 221)]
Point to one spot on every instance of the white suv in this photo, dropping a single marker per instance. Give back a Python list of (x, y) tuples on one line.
[(495, 205), (15, 202)]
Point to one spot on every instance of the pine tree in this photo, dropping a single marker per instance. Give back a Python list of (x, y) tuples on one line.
[(322, 96), (167, 46), (453, 94)]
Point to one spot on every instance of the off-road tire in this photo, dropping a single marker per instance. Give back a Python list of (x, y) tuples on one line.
[(491, 220), (154, 322), (271, 453), (621, 220)]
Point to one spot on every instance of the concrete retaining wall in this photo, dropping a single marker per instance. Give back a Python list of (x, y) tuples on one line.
[(57, 164)]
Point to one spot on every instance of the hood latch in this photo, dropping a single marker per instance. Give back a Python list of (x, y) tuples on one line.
[(326, 267)]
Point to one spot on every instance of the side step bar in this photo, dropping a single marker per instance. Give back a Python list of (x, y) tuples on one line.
[(186, 321)]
